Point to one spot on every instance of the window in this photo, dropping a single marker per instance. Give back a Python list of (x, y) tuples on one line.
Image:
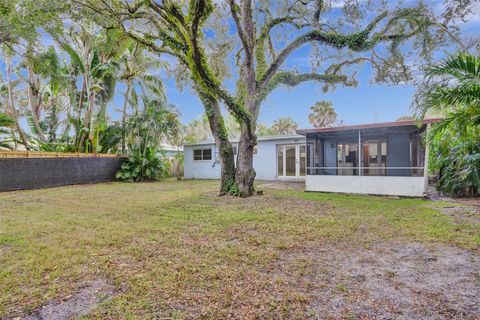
[(374, 156), (202, 154), (347, 159)]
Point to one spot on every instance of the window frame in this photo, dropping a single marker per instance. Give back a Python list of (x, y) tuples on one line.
[(202, 154)]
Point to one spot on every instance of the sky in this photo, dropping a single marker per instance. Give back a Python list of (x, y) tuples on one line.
[(366, 103)]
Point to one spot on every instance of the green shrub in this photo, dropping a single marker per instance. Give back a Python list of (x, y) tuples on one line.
[(452, 89), (139, 168), (457, 160)]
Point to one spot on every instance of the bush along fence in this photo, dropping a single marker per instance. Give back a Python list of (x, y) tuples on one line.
[(35, 170)]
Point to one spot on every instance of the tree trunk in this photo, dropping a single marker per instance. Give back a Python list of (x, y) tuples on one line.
[(177, 167), (87, 119), (245, 173), (124, 116), (78, 138), (34, 105), (227, 165), (227, 160), (14, 113)]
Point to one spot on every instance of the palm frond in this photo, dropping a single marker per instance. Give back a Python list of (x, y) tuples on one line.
[(465, 69), (6, 121), (75, 59)]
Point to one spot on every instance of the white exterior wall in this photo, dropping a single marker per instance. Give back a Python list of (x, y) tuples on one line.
[(381, 185), (200, 169), (264, 161)]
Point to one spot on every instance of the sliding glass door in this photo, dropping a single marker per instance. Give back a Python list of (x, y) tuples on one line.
[(347, 159), (291, 161)]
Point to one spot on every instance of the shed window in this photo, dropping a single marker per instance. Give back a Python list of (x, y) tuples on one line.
[(202, 154)]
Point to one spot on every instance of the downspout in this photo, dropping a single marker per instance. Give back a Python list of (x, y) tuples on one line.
[(425, 165), (359, 153)]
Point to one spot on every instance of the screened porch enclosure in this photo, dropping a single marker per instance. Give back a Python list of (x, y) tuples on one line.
[(386, 151), (379, 158)]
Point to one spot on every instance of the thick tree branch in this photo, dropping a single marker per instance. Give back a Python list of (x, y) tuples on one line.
[(318, 10), (240, 31), (355, 42), (275, 22), (292, 79), (335, 68)]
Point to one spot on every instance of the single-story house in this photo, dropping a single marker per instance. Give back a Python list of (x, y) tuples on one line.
[(390, 160), (275, 158)]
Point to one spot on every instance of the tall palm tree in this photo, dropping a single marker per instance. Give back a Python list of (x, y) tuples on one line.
[(46, 94), (94, 58), (283, 126), (5, 122), (452, 88), (136, 71), (323, 114), (8, 89)]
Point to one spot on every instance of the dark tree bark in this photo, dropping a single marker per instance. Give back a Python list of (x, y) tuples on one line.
[(245, 173), (227, 161), (179, 30)]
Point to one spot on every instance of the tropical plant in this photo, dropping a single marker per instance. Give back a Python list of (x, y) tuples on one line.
[(47, 97), (145, 132), (5, 122), (10, 91), (457, 160), (323, 114), (362, 32), (94, 59), (143, 167), (198, 130), (452, 89), (136, 69), (284, 126), (264, 130), (110, 139), (178, 162), (405, 118)]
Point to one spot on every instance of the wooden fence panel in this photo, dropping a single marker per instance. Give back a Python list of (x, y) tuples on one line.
[(41, 154)]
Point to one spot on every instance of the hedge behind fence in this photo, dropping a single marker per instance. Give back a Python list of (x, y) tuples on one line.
[(43, 172)]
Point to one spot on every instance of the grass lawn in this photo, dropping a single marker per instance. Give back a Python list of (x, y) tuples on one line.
[(174, 250)]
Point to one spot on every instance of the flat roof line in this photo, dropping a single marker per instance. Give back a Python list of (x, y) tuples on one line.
[(369, 126), (262, 138)]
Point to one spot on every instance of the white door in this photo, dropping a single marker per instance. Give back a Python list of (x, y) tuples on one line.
[(291, 161)]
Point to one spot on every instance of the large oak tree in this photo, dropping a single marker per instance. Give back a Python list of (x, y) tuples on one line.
[(392, 37)]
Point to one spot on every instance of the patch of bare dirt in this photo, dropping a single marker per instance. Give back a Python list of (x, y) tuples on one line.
[(436, 195), (77, 304), (260, 203), (388, 281), (462, 214)]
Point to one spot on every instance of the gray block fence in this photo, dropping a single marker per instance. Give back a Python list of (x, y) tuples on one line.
[(36, 173)]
